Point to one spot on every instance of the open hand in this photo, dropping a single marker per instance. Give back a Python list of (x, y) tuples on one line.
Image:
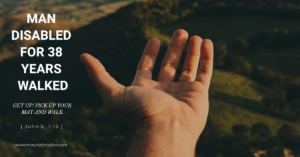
[(162, 103)]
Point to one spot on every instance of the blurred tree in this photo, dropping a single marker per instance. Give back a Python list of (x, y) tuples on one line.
[(287, 131), (240, 45), (220, 52), (261, 131), (238, 64), (274, 38), (240, 131), (274, 99)]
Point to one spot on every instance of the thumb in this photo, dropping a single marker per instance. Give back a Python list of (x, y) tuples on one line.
[(106, 86)]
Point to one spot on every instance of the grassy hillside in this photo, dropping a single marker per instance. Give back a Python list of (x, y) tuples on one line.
[(227, 28), (66, 10), (236, 85), (284, 59), (234, 99)]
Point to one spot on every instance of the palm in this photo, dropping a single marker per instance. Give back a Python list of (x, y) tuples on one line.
[(186, 100), (148, 98)]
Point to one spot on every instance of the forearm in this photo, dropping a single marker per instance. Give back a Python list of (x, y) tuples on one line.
[(167, 138)]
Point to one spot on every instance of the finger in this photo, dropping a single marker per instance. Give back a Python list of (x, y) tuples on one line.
[(206, 62), (191, 63), (147, 61), (172, 56), (104, 83)]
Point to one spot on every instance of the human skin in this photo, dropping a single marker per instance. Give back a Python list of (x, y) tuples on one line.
[(168, 117)]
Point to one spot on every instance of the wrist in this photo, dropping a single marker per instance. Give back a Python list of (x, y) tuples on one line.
[(162, 137)]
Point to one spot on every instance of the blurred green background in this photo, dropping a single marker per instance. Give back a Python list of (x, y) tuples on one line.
[(254, 94)]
